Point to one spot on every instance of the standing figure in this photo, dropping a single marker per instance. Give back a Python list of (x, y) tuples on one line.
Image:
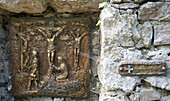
[(77, 44), (24, 52), (62, 67), (34, 74), (50, 40)]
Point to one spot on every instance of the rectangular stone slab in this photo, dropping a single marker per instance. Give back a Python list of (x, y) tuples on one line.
[(46, 56), (142, 68)]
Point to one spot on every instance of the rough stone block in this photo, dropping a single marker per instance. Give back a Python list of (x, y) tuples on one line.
[(27, 6), (149, 95), (76, 6), (140, 1), (161, 82), (115, 1), (38, 99), (155, 11), (147, 34), (3, 94), (165, 98), (161, 35), (58, 99)]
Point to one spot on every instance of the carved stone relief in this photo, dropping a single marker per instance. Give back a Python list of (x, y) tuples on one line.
[(50, 56)]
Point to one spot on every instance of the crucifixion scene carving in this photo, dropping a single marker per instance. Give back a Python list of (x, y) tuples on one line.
[(47, 59)]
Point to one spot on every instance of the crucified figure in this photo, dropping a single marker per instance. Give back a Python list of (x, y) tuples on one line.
[(50, 40), (77, 44), (24, 52)]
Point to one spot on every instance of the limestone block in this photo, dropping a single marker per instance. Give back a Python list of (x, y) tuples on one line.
[(116, 95), (149, 95), (161, 35), (118, 32), (121, 29), (155, 11), (2, 35), (39, 99), (165, 98), (1, 50), (26, 6), (58, 99), (76, 6), (128, 6), (161, 53), (147, 34), (160, 82), (125, 6), (115, 1), (3, 93)]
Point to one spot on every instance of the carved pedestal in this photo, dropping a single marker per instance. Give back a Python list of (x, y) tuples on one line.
[(50, 56)]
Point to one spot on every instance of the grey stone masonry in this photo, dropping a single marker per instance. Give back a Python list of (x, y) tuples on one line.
[(130, 34), (155, 11), (61, 6)]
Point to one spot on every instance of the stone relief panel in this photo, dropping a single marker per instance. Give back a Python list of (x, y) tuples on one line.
[(50, 56)]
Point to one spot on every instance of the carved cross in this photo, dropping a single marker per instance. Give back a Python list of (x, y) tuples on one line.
[(129, 69)]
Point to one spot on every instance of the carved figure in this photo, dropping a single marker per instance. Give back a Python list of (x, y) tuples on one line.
[(62, 67), (24, 52), (77, 39), (50, 40), (34, 74)]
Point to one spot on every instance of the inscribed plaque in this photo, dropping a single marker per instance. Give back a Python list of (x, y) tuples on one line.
[(142, 67)]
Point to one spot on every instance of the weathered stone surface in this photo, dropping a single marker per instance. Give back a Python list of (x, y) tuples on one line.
[(38, 99), (115, 1), (117, 32), (76, 6), (160, 53), (124, 27), (115, 95), (121, 34), (3, 93), (149, 95), (140, 1), (160, 82), (128, 6), (146, 32), (125, 6), (2, 35), (39, 6), (127, 1), (155, 11), (165, 98), (26, 6), (58, 99), (161, 35)]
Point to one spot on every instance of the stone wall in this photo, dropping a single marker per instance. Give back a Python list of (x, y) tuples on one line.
[(134, 30), (130, 30)]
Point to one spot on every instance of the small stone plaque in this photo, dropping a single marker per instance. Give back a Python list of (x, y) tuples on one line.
[(142, 67)]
